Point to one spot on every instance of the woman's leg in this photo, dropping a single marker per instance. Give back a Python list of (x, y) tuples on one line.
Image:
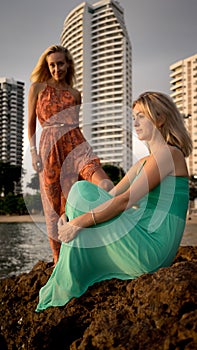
[(55, 247), (51, 205), (83, 197)]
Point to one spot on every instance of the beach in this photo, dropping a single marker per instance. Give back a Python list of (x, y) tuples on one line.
[(21, 218), (189, 237), (190, 233)]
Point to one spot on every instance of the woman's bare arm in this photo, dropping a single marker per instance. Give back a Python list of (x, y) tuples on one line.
[(154, 170), (129, 177), (34, 90), (32, 99)]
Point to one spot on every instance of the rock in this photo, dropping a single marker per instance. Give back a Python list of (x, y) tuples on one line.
[(156, 311)]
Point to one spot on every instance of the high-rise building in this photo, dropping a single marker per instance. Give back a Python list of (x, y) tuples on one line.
[(184, 93), (11, 122), (97, 38)]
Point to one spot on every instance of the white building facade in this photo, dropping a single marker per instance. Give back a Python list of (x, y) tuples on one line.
[(184, 93), (11, 122), (97, 38)]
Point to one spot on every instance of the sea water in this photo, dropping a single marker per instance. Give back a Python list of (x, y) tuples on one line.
[(22, 246)]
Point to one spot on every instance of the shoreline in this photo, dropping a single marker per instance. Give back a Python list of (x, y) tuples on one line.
[(36, 217), (21, 218), (190, 233), (189, 236)]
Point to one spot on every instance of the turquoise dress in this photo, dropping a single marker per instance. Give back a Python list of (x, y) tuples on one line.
[(139, 240)]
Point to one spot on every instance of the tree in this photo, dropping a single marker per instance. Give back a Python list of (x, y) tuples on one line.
[(10, 175), (13, 204), (114, 172), (192, 187), (33, 201), (34, 183)]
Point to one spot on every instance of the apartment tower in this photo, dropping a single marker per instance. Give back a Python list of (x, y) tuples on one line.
[(11, 122), (97, 38), (184, 93)]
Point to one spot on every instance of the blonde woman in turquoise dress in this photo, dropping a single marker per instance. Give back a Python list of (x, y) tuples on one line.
[(137, 227)]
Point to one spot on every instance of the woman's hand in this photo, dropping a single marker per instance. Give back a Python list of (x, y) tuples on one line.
[(62, 220), (67, 232), (36, 162)]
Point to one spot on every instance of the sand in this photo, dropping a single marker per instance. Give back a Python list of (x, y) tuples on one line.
[(21, 218), (190, 233)]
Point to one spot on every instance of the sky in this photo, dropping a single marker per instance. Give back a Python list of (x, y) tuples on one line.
[(161, 33)]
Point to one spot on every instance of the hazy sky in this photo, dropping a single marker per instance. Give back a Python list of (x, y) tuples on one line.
[(161, 33)]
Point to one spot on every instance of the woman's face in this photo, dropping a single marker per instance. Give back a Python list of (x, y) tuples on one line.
[(57, 66), (144, 127)]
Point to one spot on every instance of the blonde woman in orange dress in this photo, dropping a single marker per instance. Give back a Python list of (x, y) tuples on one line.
[(64, 155)]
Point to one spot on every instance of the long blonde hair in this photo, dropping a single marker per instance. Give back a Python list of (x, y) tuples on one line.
[(162, 111), (41, 71)]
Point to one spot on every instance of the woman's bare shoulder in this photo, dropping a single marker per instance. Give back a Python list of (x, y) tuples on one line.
[(180, 167), (76, 94), (36, 88), (176, 152)]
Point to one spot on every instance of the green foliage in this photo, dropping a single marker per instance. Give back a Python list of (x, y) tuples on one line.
[(10, 202), (114, 172), (13, 204), (33, 203), (192, 187), (19, 205), (34, 183), (10, 175)]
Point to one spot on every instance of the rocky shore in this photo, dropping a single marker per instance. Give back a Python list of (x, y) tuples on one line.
[(156, 311)]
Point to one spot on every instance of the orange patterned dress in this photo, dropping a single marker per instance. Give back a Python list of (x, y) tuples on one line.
[(65, 153)]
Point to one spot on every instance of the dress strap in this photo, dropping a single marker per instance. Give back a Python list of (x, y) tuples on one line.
[(140, 167)]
